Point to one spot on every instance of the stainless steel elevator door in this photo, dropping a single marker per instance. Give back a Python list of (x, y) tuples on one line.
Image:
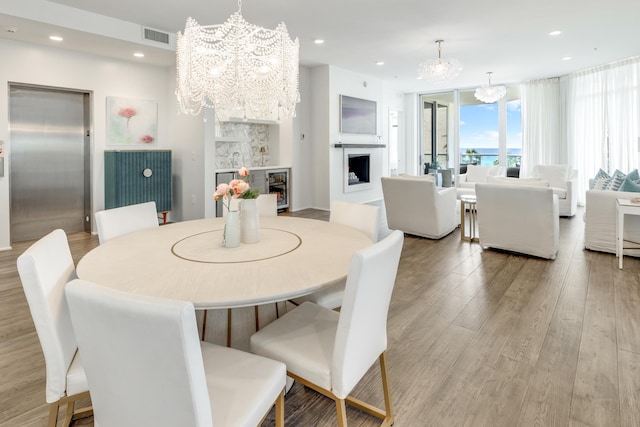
[(48, 176)]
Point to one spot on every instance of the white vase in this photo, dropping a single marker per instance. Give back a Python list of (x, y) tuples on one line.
[(249, 221), (231, 233)]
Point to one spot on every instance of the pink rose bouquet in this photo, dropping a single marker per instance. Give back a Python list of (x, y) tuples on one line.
[(235, 189)]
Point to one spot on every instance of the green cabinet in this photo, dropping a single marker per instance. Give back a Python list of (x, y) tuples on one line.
[(138, 176)]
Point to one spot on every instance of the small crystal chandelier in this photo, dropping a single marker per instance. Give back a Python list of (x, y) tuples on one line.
[(439, 70), (490, 94), (239, 69)]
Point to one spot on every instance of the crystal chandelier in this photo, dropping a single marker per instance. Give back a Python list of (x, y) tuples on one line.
[(439, 70), (239, 69), (490, 94)]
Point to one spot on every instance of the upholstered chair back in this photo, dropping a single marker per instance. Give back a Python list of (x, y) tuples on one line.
[(142, 358), (414, 205), (268, 205), (362, 328), (115, 222), (365, 218), (44, 269)]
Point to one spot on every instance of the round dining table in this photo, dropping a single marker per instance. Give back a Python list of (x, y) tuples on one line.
[(187, 261)]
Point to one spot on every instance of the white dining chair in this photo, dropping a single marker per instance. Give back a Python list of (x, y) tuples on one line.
[(331, 351), (365, 218), (268, 205), (147, 367), (126, 219), (44, 268)]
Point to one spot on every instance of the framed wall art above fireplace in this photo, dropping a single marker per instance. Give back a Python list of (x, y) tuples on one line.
[(358, 116)]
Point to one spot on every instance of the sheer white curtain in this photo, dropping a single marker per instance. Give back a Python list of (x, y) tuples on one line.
[(623, 116), (589, 120), (586, 131), (603, 119), (542, 141)]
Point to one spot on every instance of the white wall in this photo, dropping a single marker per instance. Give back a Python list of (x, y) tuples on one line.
[(302, 175), (314, 160), (328, 83), (320, 131), (38, 65)]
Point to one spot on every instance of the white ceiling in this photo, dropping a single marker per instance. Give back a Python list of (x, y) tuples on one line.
[(509, 38)]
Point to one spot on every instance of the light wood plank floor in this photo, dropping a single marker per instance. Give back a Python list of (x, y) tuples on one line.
[(476, 338)]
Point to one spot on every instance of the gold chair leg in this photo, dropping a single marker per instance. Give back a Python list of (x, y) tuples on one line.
[(257, 315), (385, 389), (69, 413), (228, 327), (204, 324), (280, 410), (341, 411), (53, 414)]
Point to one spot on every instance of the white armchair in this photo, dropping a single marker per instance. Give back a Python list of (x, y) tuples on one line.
[(564, 182), (415, 206), (518, 218)]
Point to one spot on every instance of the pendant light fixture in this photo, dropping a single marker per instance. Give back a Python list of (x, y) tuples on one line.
[(439, 70), (239, 69), (490, 94)]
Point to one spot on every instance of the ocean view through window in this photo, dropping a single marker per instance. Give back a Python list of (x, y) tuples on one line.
[(480, 139)]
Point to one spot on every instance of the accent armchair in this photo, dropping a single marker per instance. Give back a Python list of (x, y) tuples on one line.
[(518, 218), (415, 206), (564, 182)]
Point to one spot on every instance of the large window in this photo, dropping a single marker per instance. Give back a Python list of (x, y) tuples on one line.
[(488, 134), (481, 140)]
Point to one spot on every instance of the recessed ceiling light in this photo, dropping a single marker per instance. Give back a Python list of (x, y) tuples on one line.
[(318, 41), (380, 63), (555, 33), (55, 38), (139, 55), (566, 58)]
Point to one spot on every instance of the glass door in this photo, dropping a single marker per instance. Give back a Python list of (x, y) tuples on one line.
[(278, 184)]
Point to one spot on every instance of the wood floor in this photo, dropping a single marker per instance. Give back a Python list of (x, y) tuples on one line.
[(476, 338)]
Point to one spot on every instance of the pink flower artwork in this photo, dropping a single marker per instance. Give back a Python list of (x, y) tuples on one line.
[(131, 121), (127, 113)]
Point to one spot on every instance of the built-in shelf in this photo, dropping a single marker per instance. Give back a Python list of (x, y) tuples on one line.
[(340, 145)]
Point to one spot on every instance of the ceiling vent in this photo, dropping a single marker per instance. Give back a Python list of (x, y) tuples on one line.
[(155, 35)]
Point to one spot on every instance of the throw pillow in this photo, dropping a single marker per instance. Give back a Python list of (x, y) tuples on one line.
[(632, 182), (616, 180), (600, 181)]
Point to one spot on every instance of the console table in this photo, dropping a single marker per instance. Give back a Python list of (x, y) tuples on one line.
[(623, 207)]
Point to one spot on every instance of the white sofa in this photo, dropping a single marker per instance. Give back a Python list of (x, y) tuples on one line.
[(466, 182), (600, 222), (415, 206), (518, 218), (564, 182)]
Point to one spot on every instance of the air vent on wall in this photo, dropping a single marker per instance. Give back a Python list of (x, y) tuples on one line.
[(155, 35)]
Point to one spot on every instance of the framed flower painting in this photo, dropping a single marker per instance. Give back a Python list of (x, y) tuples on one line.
[(131, 121)]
